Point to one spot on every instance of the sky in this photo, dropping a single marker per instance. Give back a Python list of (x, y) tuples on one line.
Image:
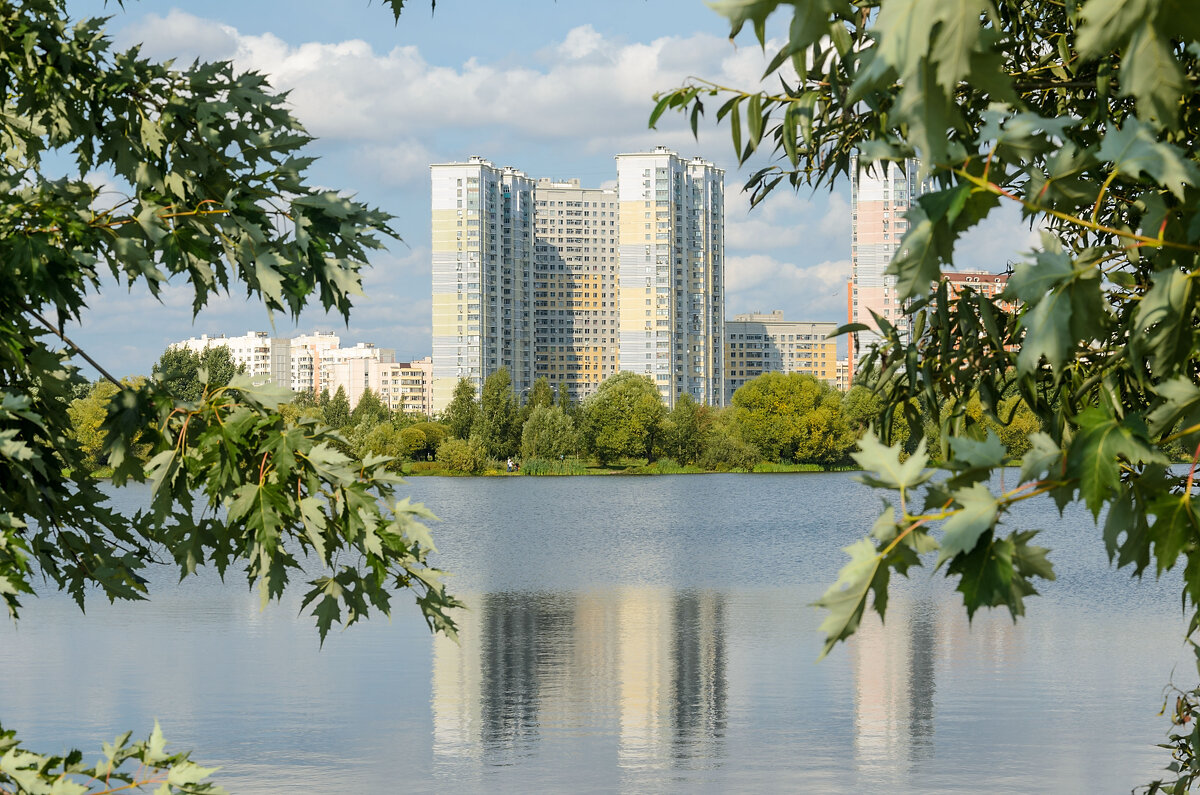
[(555, 89)]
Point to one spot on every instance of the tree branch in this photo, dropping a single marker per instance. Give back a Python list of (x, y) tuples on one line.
[(67, 340)]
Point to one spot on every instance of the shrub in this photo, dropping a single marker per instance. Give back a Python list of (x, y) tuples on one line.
[(459, 456), (725, 452)]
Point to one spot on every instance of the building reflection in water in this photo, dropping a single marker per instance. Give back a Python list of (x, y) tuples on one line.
[(894, 674), (645, 665)]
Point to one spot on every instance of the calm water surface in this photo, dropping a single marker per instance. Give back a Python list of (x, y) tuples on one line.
[(631, 634)]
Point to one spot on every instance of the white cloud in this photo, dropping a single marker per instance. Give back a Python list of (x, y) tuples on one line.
[(1002, 238), (762, 283), (581, 42), (399, 163), (588, 87)]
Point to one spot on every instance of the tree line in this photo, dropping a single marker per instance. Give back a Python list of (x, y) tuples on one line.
[(774, 419)]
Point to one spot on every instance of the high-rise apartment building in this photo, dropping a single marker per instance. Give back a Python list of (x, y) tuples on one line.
[(879, 198), (575, 281), (671, 290), (482, 275), (765, 343), (551, 279)]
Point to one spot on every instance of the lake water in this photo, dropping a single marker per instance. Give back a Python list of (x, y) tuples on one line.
[(628, 634)]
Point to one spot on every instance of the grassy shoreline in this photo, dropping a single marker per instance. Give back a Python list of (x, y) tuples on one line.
[(634, 467)]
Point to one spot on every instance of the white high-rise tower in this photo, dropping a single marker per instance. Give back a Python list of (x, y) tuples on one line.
[(671, 273)]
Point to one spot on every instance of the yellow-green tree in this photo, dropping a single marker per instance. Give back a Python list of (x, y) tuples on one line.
[(792, 417)]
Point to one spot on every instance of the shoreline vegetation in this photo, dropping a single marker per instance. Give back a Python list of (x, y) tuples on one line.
[(776, 423)]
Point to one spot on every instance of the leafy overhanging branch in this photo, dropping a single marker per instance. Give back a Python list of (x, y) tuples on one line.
[(1085, 115)]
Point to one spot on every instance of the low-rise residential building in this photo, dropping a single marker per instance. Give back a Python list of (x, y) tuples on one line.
[(982, 282), (401, 386), (317, 362), (758, 343), (265, 358), (310, 357)]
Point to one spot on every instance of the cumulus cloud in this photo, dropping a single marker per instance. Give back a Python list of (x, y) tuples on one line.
[(588, 87), (1002, 238), (762, 283)]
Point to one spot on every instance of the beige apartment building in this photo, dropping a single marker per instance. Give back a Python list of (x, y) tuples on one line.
[(764, 343), (671, 290), (402, 386), (482, 275), (311, 360), (575, 285)]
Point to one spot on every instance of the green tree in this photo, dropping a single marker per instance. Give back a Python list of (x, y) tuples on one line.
[(623, 418), (337, 413), (181, 370), (87, 423), (725, 450), (792, 417), (434, 433), (377, 439), (548, 433), (860, 407), (542, 394), (497, 415), (370, 410), (686, 432), (213, 165), (1082, 115), (460, 415), (412, 441)]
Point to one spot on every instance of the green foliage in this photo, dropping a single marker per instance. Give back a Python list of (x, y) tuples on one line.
[(381, 439), (725, 450), (337, 411), (412, 440), (664, 466), (432, 432), (793, 417), (686, 430), (460, 414), (623, 418), (541, 466), (370, 410), (548, 434), (87, 418), (38, 774), (495, 424), (457, 455), (213, 166), (542, 394), (1083, 115), (860, 407), (181, 370)]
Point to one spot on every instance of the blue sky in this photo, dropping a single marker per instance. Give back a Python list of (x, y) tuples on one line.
[(553, 88)]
